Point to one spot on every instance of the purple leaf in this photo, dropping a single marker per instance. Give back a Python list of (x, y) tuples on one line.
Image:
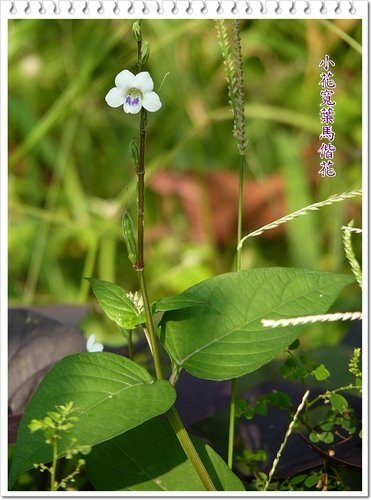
[(36, 342)]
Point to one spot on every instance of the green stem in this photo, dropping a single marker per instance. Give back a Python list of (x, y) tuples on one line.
[(140, 190), (232, 412), (150, 326), (53, 486), (189, 449), (130, 345), (172, 414), (232, 403), (349, 387)]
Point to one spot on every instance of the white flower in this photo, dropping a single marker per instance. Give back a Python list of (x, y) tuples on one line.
[(92, 346), (133, 91), (137, 300)]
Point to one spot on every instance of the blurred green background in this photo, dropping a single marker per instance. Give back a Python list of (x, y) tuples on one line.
[(70, 173)]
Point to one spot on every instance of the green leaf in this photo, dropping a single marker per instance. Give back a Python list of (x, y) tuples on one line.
[(314, 437), (240, 407), (327, 426), (280, 399), (261, 408), (249, 413), (226, 339), (111, 394), (338, 402), (115, 303), (250, 456), (294, 345), (321, 373), (327, 437), (176, 302), (150, 458), (312, 480), (298, 479)]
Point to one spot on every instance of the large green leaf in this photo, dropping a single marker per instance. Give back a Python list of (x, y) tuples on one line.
[(112, 395), (116, 304), (226, 339), (175, 302), (150, 458)]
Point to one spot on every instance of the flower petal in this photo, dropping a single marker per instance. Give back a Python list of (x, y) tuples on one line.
[(97, 347), (115, 97), (143, 82), (124, 80), (151, 102), (132, 105), (92, 346), (90, 341)]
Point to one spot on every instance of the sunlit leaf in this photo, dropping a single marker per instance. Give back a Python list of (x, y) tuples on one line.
[(338, 402), (321, 372), (111, 394), (226, 338), (116, 304), (176, 302)]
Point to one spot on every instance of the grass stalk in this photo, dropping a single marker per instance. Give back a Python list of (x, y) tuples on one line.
[(335, 198), (232, 404), (349, 253), (283, 444), (233, 65)]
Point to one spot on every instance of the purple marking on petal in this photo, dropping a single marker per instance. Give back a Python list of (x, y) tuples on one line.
[(132, 102)]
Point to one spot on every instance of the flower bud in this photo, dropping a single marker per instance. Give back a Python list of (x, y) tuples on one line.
[(134, 151), (144, 53), (137, 32), (129, 236)]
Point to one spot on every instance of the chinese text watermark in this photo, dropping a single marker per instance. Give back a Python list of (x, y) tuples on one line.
[(327, 115)]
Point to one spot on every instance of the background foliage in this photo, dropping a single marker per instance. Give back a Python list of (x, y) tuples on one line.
[(70, 174)]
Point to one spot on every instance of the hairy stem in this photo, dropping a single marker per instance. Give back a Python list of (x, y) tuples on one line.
[(172, 414), (140, 190)]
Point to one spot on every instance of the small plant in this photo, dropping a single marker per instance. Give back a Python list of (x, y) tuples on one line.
[(327, 418), (54, 426)]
